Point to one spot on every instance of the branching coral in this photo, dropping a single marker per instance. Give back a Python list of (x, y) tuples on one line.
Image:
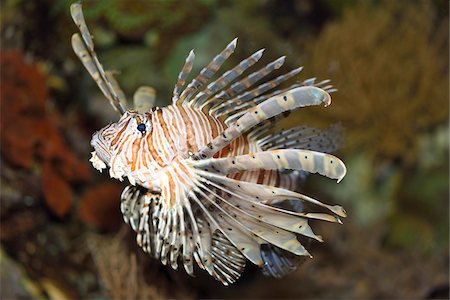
[(390, 65)]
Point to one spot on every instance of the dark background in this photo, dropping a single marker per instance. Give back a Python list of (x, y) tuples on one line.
[(62, 235)]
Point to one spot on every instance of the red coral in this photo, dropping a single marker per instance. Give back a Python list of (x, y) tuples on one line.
[(29, 135), (56, 189), (99, 206), (22, 107)]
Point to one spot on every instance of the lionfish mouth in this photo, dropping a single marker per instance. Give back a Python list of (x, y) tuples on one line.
[(101, 156)]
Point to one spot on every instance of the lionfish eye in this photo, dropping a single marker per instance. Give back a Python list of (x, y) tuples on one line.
[(141, 127)]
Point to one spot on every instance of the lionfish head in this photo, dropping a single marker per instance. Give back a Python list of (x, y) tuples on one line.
[(113, 143)]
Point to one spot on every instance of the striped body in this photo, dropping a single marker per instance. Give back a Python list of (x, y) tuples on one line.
[(211, 181), (176, 132)]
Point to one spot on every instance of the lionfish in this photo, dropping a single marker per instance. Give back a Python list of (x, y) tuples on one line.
[(211, 181)]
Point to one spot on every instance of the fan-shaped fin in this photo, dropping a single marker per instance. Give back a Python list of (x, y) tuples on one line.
[(138, 206), (304, 137), (270, 194), (278, 262), (162, 232), (275, 216), (229, 263), (239, 215), (269, 233), (241, 239)]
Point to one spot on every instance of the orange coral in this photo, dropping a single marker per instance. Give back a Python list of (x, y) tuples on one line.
[(99, 206), (29, 136), (57, 191)]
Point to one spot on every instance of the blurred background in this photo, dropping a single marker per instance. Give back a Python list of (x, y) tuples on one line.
[(62, 236)]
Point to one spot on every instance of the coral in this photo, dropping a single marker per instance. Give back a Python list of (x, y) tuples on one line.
[(421, 217), (99, 206), (124, 273), (390, 64), (30, 138), (57, 191)]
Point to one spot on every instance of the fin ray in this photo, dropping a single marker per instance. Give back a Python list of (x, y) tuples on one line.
[(226, 78), (207, 72), (84, 48), (293, 99)]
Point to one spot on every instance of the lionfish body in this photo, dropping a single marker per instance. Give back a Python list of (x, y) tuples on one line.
[(210, 181)]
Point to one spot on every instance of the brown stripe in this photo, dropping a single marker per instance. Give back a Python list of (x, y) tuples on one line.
[(189, 130), (121, 143), (171, 189), (201, 120), (165, 128), (261, 176), (152, 151), (119, 134), (135, 149)]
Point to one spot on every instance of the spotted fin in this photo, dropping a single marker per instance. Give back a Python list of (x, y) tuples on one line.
[(304, 137), (243, 84), (288, 101), (245, 213), (229, 263), (240, 237), (138, 206), (132, 202), (184, 73), (226, 78), (231, 115), (239, 219), (235, 104), (259, 211), (270, 194), (158, 228), (283, 159), (207, 72), (278, 262)]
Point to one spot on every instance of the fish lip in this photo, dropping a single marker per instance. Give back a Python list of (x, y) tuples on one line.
[(101, 147)]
